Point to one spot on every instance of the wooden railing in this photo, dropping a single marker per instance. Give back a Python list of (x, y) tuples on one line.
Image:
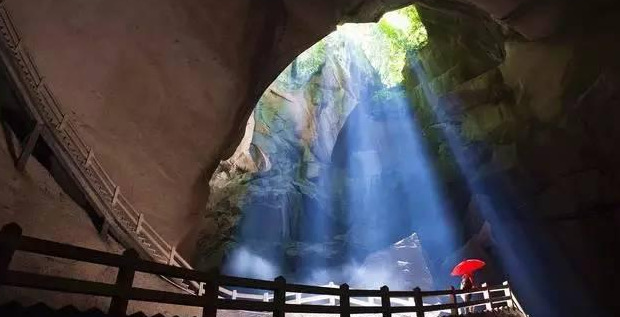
[(127, 224), (217, 291), (132, 229)]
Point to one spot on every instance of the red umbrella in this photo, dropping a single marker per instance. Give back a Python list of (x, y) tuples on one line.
[(467, 267)]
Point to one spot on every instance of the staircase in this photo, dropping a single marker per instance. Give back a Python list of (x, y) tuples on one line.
[(54, 126)]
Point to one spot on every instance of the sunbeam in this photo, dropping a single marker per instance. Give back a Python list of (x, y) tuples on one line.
[(350, 177)]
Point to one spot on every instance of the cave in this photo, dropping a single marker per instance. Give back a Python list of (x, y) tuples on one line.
[(363, 142)]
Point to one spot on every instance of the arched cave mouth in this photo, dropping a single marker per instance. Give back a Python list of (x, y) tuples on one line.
[(335, 180), (348, 161)]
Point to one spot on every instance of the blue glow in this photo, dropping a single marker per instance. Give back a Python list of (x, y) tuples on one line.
[(332, 199), (545, 284)]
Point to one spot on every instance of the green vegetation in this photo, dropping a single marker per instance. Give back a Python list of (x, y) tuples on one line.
[(384, 44), (403, 31)]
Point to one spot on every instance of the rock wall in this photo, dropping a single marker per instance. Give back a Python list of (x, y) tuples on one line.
[(297, 123), (534, 120), (162, 90), (534, 127)]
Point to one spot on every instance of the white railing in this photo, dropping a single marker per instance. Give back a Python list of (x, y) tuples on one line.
[(341, 300), (332, 300)]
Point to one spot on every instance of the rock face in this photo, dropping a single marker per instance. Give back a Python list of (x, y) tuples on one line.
[(161, 90), (532, 153), (403, 264), (521, 135), (298, 121)]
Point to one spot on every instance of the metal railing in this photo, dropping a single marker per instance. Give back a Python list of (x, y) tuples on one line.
[(280, 297), (128, 225)]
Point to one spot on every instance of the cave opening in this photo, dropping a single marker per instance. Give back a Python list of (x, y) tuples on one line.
[(385, 154), (333, 181), (356, 151)]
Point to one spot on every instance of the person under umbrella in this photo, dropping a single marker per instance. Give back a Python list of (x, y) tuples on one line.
[(466, 270)]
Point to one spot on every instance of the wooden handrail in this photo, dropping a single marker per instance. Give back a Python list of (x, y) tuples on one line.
[(62, 284), (296, 288), (11, 240), (181, 261), (364, 293), (161, 240)]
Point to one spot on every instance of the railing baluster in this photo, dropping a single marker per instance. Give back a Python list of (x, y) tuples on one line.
[(419, 303), (508, 292), (210, 296), (139, 225), (28, 147), (279, 297), (173, 252), (124, 283), (9, 240), (486, 295), (89, 157), (105, 229), (117, 192), (345, 301), (385, 301), (62, 123), (453, 311)]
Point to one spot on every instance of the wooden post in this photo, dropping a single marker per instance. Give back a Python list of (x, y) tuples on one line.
[(28, 147), (9, 240), (89, 158), (279, 297), (124, 283), (105, 228), (508, 292), (453, 311), (210, 295), (117, 191), (40, 83), (62, 123), (345, 301), (173, 251), (18, 46), (139, 225), (385, 301), (486, 295), (419, 303)]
